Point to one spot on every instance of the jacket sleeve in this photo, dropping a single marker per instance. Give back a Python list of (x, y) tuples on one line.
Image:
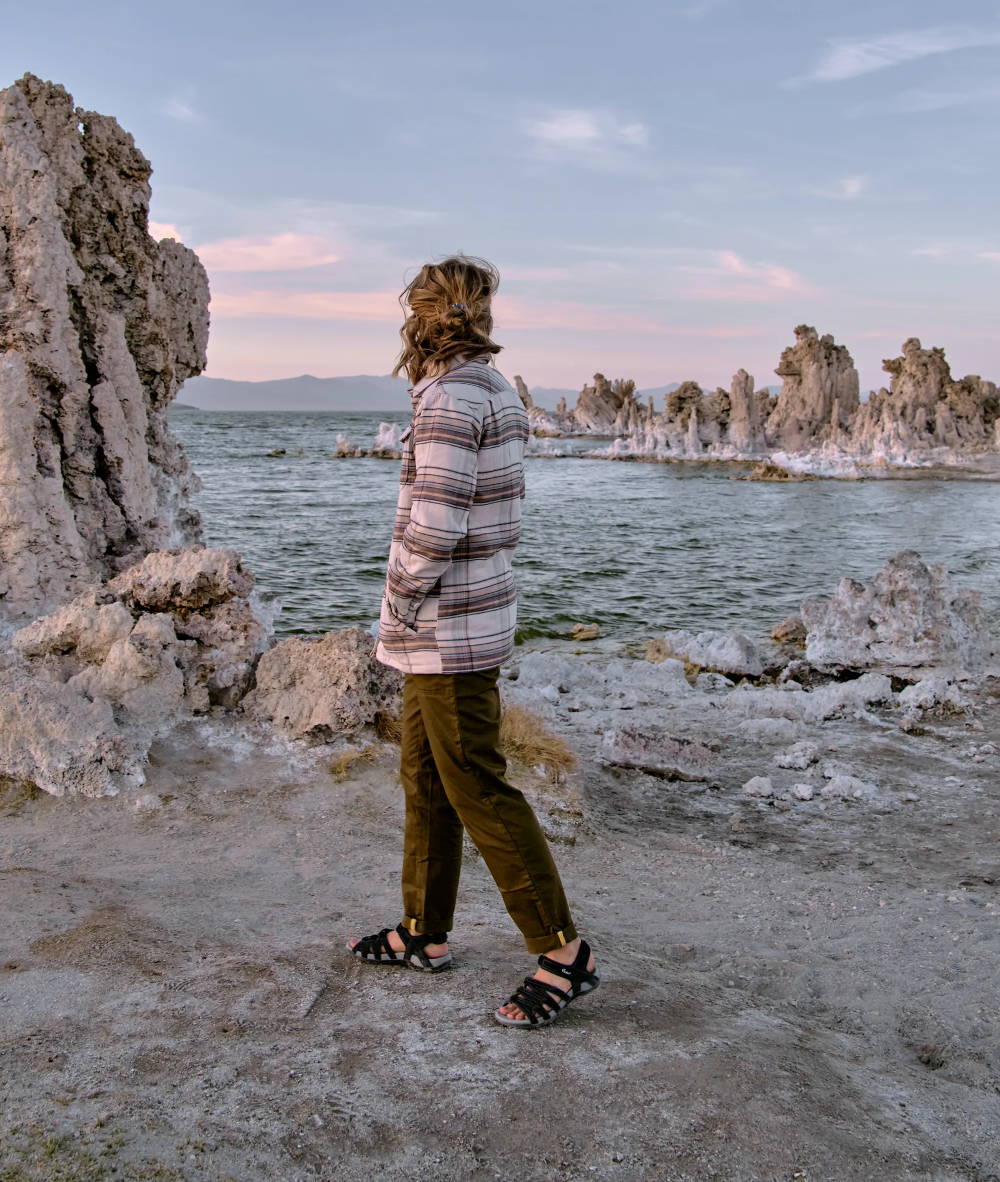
[(446, 434)]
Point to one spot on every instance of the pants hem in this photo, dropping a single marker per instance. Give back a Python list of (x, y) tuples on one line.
[(553, 940)]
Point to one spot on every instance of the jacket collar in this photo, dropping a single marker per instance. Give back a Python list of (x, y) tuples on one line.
[(416, 390)]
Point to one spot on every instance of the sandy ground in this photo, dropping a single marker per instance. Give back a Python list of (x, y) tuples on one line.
[(806, 995)]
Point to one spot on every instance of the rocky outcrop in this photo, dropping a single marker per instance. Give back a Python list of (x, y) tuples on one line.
[(522, 391), (86, 690), (819, 392), (816, 425), (909, 617), (99, 326), (599, 406), (317, 687), (926, 410)]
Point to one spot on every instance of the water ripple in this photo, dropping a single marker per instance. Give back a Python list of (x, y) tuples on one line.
[(635, 548)]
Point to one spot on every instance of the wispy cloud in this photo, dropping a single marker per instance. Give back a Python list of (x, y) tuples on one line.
[(277, 252), (183, 108), (920, 101), (846, 188), (730, 277), (596, 138), (381, 306), (957, 252), (697, 9), (851, 59)]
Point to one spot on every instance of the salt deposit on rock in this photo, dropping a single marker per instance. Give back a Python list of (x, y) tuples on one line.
[(936, 693), (594, 684), (100, 325), (910, 616), (85, 691), (651, 750), (317, 687), (847, 698), (387, 445), (799, 756), (846, 787), (721, 652)]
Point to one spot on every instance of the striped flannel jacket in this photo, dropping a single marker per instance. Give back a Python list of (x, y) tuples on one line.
[(450, 603)]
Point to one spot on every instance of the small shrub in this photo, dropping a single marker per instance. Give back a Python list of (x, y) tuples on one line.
[(348, 761), (525, 738), (388, 727)]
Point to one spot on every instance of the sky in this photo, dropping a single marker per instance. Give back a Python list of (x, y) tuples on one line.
[(667, 188)]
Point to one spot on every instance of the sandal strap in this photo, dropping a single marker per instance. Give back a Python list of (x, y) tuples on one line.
[(415, 943), (377, 943), (575, 972), (537, 999)]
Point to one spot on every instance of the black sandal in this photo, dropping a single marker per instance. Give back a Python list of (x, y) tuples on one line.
[(377, 949), (543, 1003)]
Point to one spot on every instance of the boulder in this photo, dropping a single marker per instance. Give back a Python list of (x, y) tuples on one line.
[(315, 688), (909, 616), (86, 690)]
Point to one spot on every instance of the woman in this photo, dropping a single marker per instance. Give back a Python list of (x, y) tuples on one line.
[(447, 622)]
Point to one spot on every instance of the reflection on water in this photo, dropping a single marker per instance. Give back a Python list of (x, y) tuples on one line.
[(635, 548)]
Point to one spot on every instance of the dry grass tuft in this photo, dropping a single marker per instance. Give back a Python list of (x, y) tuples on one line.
[(348, 761), (526, 739), (15, 794), (388, 727)]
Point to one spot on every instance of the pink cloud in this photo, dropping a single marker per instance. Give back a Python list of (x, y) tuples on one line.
[(277, 252), (165, 230), (734, 278), (512, 314), (308, 305)]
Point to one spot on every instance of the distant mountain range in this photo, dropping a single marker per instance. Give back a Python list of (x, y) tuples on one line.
[(361, 392)]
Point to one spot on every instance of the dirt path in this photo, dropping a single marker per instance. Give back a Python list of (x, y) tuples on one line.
[(782, 998)]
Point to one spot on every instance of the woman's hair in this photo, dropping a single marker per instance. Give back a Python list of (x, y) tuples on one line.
[(448, 312)]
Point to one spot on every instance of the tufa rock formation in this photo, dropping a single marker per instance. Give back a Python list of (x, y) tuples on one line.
[(86, 690), (925, 409), (522, 392), (910, 616), (99, 326), (819, 392), (816, 421)]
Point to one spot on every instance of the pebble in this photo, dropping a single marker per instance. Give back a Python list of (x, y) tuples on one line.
[(760, 786)]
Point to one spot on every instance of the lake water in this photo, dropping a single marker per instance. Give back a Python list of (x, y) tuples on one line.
[(635, 548)]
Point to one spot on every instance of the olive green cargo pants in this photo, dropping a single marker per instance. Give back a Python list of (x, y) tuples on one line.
[(453, 774)]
